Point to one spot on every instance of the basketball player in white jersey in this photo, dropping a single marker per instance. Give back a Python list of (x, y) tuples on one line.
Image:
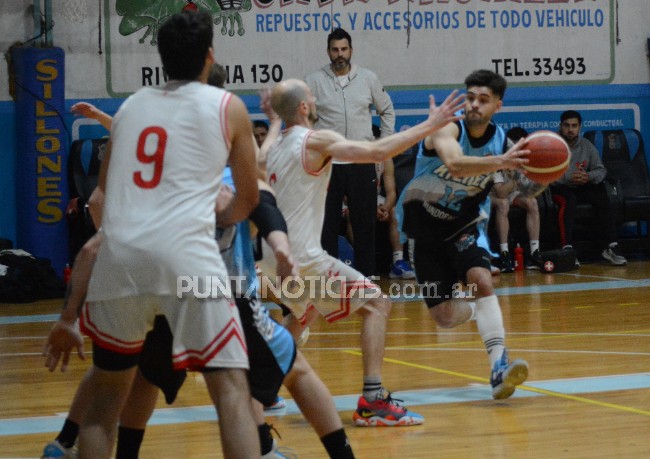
[(168, 150), (298, 169)]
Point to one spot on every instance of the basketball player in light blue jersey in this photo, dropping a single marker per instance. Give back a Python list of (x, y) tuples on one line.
[(273, 356), (440, 209)]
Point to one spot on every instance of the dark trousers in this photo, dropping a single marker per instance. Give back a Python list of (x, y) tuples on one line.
[(359, 183), (604, 219)]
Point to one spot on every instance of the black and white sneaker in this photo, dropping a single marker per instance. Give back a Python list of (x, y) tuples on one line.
[(613, 255)]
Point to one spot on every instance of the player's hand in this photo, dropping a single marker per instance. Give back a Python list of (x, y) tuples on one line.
[(63, 338), (447, 112), (85, 109), (287, 270), (515, 157), (265, 104), (382, 213), (580, 177)]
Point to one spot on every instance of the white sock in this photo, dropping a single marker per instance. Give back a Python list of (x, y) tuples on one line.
[(472, 306), (398, 255), (534, 245), (504, 247), (490, 326)]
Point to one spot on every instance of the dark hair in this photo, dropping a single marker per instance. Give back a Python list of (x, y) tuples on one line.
[(217, 76), (261, 123), (183, 42), (339, 34), (489, 79), (570, 114), (516, 133)]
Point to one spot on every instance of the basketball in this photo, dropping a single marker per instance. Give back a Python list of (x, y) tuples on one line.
[(549, 156)]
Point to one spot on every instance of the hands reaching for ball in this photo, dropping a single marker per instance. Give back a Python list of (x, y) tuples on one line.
[(516, 157)]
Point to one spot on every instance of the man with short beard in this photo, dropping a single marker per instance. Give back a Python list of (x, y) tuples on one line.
[(344, 93), (584, 181)]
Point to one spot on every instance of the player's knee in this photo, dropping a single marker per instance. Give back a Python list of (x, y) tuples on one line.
[(443, 315), (481, 281), (380, 305), (501, 206)]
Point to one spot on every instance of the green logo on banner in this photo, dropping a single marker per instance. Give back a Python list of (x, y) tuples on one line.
[(151, 14)]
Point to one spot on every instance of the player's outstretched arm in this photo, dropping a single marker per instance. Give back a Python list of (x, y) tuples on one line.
[(90, 111), (459, 165), (387, 147)]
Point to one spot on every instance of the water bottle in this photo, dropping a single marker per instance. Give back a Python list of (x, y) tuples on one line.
[(519, 258)]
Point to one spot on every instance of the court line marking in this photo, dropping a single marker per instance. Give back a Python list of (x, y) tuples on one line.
[(503, 291), (476, 391), (524, 387)]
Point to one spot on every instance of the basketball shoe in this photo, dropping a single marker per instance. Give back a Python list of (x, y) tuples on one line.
[(384, 411), (506, 376), (506, 262), (55, 450), (279, 453), (277, 405), (401, 270)]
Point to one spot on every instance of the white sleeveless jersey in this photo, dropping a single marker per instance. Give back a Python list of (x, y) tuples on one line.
[(300, 193), (169, 149)]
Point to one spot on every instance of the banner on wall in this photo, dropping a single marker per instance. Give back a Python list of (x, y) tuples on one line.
[(409, 43), (41, 164)]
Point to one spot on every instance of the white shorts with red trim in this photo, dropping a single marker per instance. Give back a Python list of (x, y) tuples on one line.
[(207, 332), (326, 283)]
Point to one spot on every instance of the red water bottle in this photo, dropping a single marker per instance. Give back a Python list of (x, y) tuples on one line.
[(67, 272), (519, 258)]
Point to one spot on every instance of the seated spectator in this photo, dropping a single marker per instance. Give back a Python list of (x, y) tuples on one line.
[(511, 188), (584, 182), (403, 170), (386, 199)]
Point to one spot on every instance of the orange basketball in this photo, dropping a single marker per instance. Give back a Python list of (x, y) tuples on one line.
[(549, 156)]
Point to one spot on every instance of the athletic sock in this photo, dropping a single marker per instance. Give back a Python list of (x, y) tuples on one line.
[(504, 247), (371, 387), (490, 326), (128, 442), (398, 255), (266, 439), (534, 245), (69, 433), (337, 445)]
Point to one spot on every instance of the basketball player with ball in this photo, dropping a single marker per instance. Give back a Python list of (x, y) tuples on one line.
[(439, 209)]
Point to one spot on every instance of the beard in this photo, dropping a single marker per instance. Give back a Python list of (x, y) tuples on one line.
[(474, 119), (569, 137), (340, 63)]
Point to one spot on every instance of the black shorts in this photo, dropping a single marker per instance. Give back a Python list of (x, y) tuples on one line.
[(271, 354), (154, 361), (440, 266), (271, 350)]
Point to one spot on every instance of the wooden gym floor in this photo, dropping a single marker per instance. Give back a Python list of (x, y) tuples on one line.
[(585, 335)]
